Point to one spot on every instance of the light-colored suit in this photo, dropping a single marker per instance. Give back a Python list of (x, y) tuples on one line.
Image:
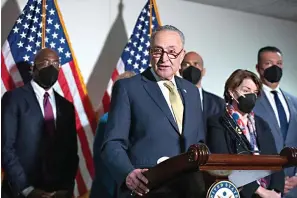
[(264, 109)]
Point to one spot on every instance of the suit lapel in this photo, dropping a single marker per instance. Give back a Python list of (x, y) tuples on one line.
[(292, 111), (154, 91), (32, 100), (266, 104)]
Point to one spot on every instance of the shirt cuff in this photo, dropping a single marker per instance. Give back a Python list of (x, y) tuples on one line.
[(27, 191)]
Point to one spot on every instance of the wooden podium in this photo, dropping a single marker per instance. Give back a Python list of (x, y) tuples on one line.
[(216, 167)]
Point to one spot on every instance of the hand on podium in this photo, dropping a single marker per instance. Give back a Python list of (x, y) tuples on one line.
[(290, 183), (265, 193), (136, 182)]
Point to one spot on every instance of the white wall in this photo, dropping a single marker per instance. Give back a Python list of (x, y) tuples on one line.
[(226, 39)]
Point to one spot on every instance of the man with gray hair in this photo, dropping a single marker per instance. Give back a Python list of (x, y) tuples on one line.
[(154, 116)]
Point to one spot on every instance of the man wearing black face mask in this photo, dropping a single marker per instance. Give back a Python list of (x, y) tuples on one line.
[(278, 108), (39, 142), (192, 69)]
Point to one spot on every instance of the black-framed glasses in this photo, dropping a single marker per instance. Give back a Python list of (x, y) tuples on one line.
[(171, 54), (47, 63)]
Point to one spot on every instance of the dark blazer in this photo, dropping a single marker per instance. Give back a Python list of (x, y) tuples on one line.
[(212, 105), (23, 139), (141, 128), (264, 109), (220, 139), (103, 184)]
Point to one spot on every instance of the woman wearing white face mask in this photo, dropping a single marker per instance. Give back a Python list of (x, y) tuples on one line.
[(237, 130)]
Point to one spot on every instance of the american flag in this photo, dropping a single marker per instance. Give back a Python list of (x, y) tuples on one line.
[(135, 56), (40, 23)]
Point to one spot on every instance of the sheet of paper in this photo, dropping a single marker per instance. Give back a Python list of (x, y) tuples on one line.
[(243, 177)]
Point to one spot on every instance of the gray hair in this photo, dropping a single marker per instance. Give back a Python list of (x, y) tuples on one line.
[(168, 28)]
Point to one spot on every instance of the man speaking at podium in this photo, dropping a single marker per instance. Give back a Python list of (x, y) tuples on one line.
[(154, 115)]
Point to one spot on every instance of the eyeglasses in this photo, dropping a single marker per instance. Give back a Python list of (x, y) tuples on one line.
[(158, 52), (47, 63)]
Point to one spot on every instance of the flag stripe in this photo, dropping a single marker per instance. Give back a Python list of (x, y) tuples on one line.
[(11, 66), (85, 100), (5, 76)]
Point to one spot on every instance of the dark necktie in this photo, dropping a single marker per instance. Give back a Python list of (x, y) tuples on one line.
[(281, 115), (48, 144), (49, 119)]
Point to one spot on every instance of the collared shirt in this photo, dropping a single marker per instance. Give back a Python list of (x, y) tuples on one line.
[(164, 89), (201, 97), (267, 90)]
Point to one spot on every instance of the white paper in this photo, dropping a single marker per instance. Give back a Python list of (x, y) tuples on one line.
[(162, 159), (243, 177)]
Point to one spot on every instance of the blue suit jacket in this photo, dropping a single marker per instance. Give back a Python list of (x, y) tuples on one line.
[(103, 184), (22, 142), (264, 109), (141, 128)]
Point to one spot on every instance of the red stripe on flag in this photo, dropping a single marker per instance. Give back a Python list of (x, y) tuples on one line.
[(85, 99), (6, 78), (80, 130), (114, 75), (106, 97), (64, 86), (106, 101), (85, 146), (81, 186)]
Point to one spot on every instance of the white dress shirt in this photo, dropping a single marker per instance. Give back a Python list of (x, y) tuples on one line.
[(164, 89), (39, 93), (267, 90)]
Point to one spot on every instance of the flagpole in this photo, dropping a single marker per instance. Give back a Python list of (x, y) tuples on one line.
[(157, 12), (43, 18)]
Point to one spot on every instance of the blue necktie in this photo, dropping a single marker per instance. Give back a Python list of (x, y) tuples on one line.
[(281, 115)]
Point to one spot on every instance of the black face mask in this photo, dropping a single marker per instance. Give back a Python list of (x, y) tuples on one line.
[(273, 74), (47, 77), (192, 74), (247, 102)]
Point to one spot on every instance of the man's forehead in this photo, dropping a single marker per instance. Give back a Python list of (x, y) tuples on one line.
[(193, 57), (271, 55), (47, 54), (170, 39)]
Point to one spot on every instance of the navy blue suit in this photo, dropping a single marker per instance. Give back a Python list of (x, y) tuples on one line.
[(141, 128), (23, 140)]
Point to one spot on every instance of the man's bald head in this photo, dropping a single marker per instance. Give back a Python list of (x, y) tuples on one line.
[(195, 60), (46, 53)]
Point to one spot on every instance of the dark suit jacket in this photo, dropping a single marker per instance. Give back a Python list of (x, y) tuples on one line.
[(103, 184), (141, 128), (212, 105), (23, 140), (221, 140), (264, 109)]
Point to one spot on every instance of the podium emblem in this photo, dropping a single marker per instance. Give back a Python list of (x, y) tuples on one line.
[(223, 189)]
